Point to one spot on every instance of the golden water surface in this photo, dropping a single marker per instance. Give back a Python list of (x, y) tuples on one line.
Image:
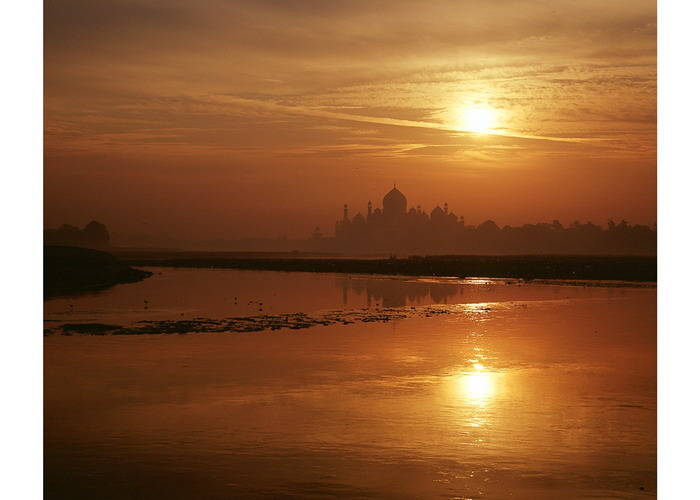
[(521, 391)]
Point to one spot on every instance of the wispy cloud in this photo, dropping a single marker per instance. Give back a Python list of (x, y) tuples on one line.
[(335, 115)]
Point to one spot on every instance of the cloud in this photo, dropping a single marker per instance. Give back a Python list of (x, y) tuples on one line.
[(228, 74)]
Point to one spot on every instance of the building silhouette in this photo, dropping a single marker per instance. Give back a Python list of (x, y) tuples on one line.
[(394, 228)]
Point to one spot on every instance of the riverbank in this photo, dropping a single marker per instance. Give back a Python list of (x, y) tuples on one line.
[(75, 270), (559, 267)]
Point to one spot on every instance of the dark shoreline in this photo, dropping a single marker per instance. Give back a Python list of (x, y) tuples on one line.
[(552, 267), (72, 271)]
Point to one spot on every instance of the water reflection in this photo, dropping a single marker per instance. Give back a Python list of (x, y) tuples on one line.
[(397, 292), (184, 294), (478, 385)]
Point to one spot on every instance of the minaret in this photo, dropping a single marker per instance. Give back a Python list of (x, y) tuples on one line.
[(446, 212), (345, 212), (369, 209)]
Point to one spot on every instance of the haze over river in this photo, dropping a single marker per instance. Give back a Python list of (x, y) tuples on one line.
[(485, 389)]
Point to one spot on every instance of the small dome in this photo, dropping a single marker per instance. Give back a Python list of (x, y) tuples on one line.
[(437, 212), (358, 219)]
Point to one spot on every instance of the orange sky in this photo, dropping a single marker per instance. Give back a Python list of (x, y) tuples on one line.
[(224, 119)]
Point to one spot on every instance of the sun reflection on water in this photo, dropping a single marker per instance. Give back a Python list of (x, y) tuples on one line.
[(477, 386), (479, 311)]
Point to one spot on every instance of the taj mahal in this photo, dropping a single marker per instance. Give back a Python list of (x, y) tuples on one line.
[(394, 227)]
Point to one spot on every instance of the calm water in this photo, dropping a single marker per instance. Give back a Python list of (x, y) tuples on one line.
[(539, 391)]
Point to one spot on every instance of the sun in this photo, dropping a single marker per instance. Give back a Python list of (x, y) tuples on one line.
[(480, 120)]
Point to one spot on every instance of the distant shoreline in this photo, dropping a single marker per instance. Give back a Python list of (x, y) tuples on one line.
[(528, 267)]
